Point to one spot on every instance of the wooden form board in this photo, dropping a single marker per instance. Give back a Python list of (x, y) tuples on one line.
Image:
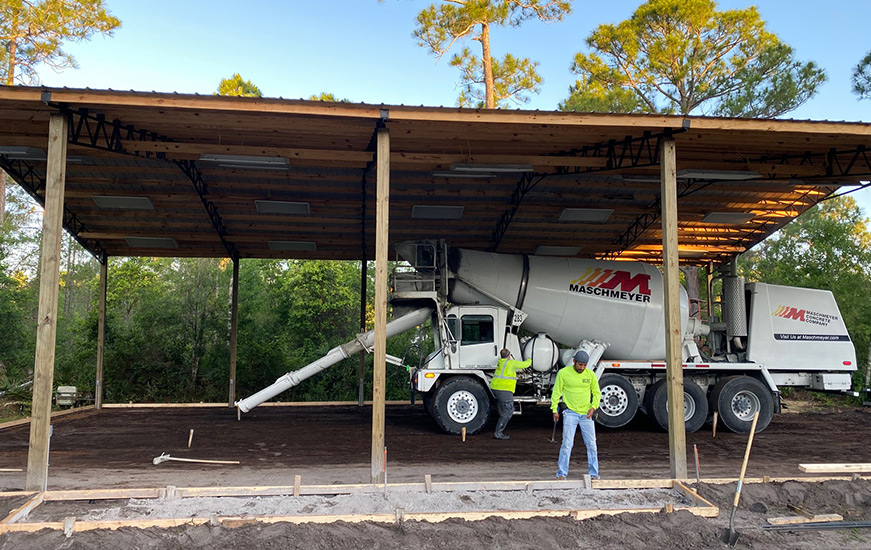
[(54, 415), (22, 510), (398, 516), (835, 468), (701, 507), (798, 520)]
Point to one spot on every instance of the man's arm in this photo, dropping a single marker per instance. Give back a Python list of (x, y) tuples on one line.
[(556, 394), (595, 393)]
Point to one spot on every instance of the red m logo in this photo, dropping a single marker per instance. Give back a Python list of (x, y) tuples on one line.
[(792, 313), (628, 283)]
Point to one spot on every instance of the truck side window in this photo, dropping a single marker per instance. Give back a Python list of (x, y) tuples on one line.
[(477, 329), (452, 327)]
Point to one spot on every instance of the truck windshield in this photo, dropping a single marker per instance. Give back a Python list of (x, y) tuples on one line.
[(477, 329)]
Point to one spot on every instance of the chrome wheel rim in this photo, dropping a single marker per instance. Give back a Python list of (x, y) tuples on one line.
[(614, 400), (462, 407), (745, 404)]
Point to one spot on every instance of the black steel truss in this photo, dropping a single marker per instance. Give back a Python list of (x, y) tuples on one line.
[(629, 152), (31, 181), (850, 162), (644, 220), (93, 130), (193, 173), (526, 184)]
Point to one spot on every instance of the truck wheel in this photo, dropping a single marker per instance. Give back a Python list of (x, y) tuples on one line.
[(695, 405), (738, 398), (461, 402), (619, 401), (427, 399)]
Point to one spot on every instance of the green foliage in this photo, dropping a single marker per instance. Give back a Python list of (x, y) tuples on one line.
[(827, 247), (441, 25), (328, 96), (33, 32), (513, 79), (862, 78), (235, 86), (679, 56)]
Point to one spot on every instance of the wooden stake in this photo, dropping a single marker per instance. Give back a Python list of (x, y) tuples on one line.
[(427, 483), (297, 481), (464, 434), (190, 438), (715, 424)]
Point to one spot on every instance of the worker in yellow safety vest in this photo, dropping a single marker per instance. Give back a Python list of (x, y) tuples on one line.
[(503, 385)]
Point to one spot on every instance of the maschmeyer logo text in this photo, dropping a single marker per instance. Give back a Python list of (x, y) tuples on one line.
[(611, 283)]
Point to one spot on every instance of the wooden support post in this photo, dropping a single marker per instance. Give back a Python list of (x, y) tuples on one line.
[(673, 340), (382, 205), (101, 333), (234, 326), (364, 282), (46, 328)]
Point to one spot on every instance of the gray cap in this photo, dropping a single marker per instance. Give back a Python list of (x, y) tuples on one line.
[(581, 356)]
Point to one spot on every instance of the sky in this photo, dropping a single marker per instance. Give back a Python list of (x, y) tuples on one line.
[(364, 51)]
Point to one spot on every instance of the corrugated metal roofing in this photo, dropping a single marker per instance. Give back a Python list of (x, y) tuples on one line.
[(579, 160)]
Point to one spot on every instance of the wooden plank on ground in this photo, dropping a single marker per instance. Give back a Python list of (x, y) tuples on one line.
[(835, 468), (797, 520), (11, 469), (23, 510), (102, 494), (692, 495), (56, 414)]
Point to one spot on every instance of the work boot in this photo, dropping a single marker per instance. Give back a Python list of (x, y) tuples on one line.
[(500, 436)]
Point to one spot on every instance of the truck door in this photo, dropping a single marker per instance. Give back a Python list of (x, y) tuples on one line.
[(478, 347)]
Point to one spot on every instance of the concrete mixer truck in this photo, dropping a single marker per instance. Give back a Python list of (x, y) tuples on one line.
[(545, 308)]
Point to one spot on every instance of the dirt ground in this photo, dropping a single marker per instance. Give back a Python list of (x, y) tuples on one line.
[(115, 448)]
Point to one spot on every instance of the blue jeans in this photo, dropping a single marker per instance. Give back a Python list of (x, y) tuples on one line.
[(571, 422)]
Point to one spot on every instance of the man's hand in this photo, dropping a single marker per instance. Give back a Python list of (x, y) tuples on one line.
[(556, 417), (590, 412)]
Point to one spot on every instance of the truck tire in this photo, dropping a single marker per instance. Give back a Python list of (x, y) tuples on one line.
[(461, 402), (695, 404), (427, 399), (619, 401), (737, 398)]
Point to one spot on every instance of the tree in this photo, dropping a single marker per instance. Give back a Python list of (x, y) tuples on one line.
[(862, 78), (827, 247), (33, 32), (682, 56), (235, 86), (328, 96), (440, 26)]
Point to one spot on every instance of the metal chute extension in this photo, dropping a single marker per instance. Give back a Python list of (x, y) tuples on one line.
[(363, 342)]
